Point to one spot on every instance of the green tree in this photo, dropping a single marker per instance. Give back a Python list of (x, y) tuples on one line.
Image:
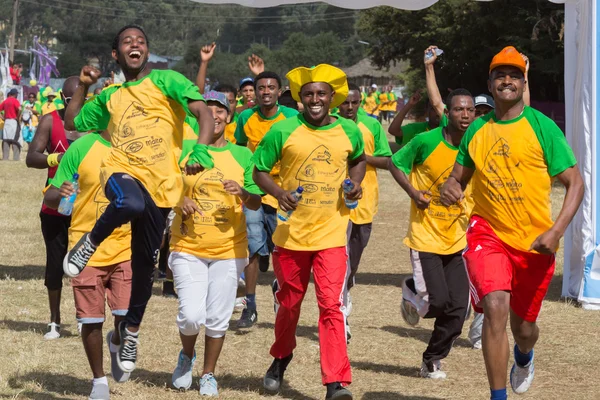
[(470, 33)]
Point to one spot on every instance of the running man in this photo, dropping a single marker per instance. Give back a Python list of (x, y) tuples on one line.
[(439, 287), (141, 176), (371, 102), (252, 125), (45, 152), (11, 131), (209, 248), (510, 156), (109, 278), (317, 151), (377, 153)]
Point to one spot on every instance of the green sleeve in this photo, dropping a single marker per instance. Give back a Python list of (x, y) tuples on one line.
[(557, 152), (404, 159), (268, 151), (288, 111), (463, 157), (377, 98), (243, 156), (176, 86), (355, 136), (186, 148), (72, 158), (444, 121), (94, 116), (239, 134), (409, 131), (382, 146)]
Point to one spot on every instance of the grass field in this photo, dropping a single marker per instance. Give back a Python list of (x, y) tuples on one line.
[(385, 353)]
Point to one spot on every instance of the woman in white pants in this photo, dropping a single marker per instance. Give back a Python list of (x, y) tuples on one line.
[(209, 248)]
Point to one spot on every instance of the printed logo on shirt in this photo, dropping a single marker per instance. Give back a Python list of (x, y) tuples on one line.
[(499, 169), (315, 175)]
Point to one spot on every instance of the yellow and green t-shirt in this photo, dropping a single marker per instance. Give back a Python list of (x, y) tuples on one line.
[(220, 233), (145, 119), (315, 158), (383, 98), (252, 126), (376, 145), (393, 102), (371, 104), (514, 163), (428, 161), (84, 157)]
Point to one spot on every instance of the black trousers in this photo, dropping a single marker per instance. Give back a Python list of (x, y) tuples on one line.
[(358, 238), (131, 202), (55, 230), (443, 278)]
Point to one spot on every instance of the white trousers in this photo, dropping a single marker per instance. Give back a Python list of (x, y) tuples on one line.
[(206, 290)]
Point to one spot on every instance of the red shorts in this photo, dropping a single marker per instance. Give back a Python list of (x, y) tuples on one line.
[(493, 266)]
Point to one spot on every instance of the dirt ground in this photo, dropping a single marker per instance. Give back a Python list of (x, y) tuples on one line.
[(385, 353)]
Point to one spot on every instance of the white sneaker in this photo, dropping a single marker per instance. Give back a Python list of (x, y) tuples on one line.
[(409, 310), (477, 345), (53, 331), (127, 354), (433, 371), (240, 303), (182, 376), (100, 391), (522, 377), (208, 385), (118, 375)]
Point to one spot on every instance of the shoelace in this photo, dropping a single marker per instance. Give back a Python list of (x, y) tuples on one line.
[(130, 348), (208, 379), (83, 254)]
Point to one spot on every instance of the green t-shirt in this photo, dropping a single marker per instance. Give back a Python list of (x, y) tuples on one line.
[(409, 131)]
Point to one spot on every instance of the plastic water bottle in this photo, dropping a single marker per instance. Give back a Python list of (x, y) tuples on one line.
[(429, 54), (66, 203), (285, 215), (347, 187)]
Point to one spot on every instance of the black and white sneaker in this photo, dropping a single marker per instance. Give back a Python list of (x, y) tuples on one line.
[(76, 259), (127, 355), (337, 391), (248, 318), (274, 376)]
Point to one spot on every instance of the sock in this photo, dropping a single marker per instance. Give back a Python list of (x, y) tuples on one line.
[(98, 381), (251, 301), (522, 359), (498, 394)]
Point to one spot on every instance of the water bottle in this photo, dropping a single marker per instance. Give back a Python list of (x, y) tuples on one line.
[(429, 54), (285, 215), (66, 203), (347, 187)]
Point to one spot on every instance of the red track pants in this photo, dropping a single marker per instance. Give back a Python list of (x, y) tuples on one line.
[(292, 270)]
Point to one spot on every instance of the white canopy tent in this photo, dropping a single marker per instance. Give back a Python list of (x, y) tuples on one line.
[(581, 278)]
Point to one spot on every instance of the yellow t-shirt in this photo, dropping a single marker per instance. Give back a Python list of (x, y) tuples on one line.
[(221, 232), (428, 160), (383, 98), (315, 158), (252, 126), (514, 162), (376, 145), (230, 132), (371, 104), (84, 157), (146, 121)]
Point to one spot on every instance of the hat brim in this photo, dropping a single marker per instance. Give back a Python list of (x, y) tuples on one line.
[(521, 67), (217, 102), (335, 77)]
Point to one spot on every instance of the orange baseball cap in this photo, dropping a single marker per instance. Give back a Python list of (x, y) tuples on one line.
[(508, 56)]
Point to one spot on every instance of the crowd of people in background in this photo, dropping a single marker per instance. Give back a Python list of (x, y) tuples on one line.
[(215, 184)]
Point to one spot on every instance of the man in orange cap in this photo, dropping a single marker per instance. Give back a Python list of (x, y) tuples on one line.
[(317, 152), (510, 156)]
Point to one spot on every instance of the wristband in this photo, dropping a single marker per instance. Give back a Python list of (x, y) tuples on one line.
[(52, 160), (199, 155)]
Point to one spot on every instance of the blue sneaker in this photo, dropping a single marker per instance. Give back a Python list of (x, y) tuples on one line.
[(208, 385), (521, 378), (182, 376)]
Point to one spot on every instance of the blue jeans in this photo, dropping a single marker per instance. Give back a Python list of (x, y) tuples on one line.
[(260, 225)]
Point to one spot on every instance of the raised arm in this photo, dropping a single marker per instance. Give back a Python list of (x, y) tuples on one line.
[(206, 54), (433, 92), (526, 93), (88, 77), (395, 128)]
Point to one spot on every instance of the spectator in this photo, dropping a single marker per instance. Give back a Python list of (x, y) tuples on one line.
[(11, 132), (15, 73)]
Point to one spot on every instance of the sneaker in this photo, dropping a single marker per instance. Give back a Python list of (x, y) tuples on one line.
[(522, 377), (409, 311), (274, 289), (432, 370), (263, 263), (118, 375), (76, 259), (337, 391), (248, 318), (53, 331), (182, 376), (100, 392), (240, 303), (274, 375), (208, 385), (477, 345), (127, 355), (348, 333), (348, 309)]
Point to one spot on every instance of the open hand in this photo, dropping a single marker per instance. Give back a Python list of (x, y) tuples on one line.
[(256, 64)]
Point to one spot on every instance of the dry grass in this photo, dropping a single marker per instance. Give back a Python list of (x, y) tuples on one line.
[(385, 353)]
